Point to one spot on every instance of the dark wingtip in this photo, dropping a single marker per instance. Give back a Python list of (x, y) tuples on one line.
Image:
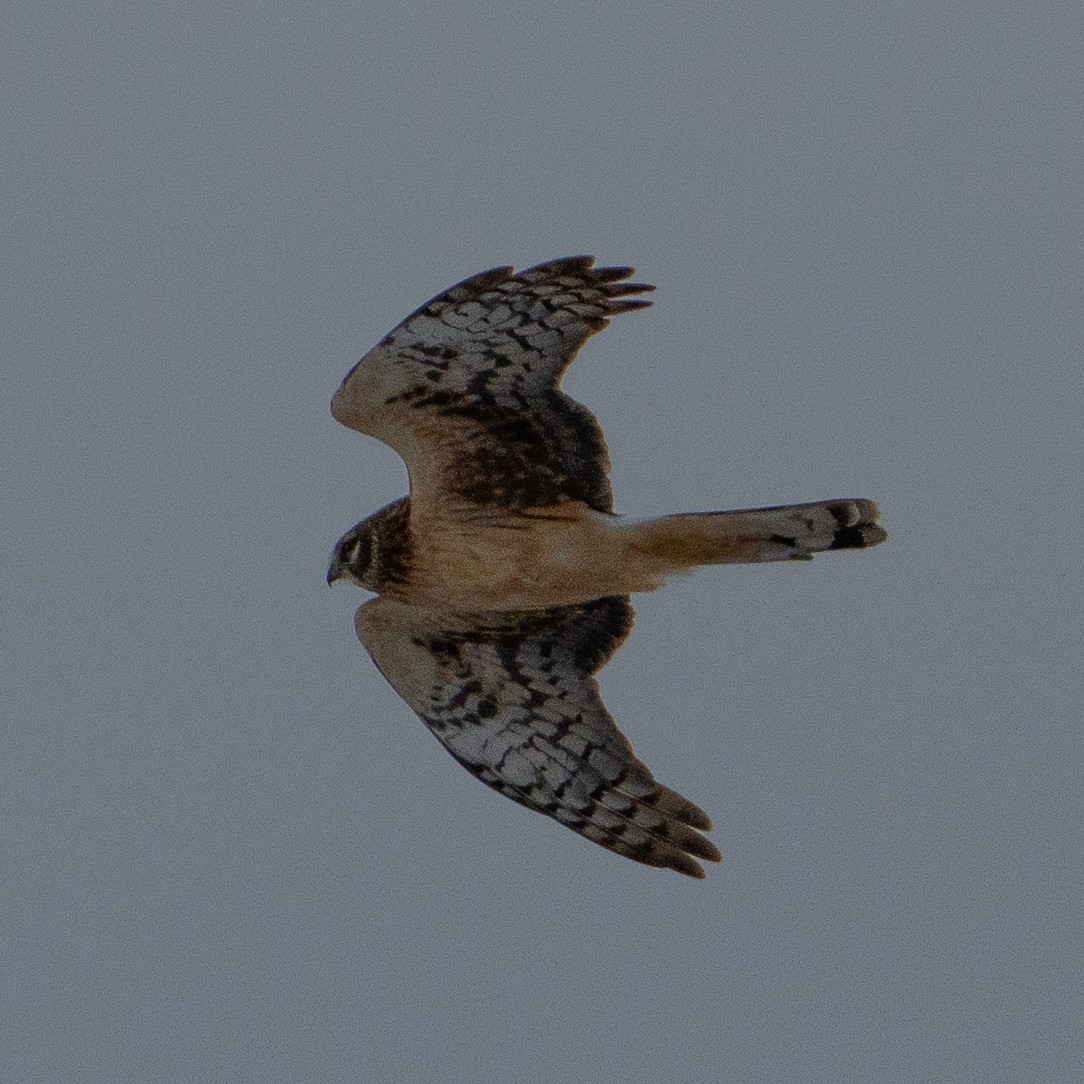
[(576, 264), (610, 279), (631, 305)]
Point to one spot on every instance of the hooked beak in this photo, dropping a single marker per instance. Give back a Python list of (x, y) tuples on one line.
[(334, 572)]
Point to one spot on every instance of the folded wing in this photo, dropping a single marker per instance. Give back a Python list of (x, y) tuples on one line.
[(466, 389), (513, 699)]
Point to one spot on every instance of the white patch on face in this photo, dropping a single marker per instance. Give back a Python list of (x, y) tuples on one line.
[(374, 551)]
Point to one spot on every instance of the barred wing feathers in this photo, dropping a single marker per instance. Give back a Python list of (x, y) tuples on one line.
[(467, 388), (514, 701)]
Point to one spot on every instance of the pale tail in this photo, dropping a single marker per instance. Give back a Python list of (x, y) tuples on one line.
[(792, 532)]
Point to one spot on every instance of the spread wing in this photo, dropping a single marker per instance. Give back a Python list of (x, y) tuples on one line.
[(466, 389), (516, 704)]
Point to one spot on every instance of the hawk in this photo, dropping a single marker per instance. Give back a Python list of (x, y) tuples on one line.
[(503, 579)]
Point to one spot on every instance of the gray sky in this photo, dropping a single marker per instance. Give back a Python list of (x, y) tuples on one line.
[(230, 852)]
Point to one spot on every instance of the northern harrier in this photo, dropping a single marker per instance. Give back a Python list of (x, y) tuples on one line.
[(503, 579)]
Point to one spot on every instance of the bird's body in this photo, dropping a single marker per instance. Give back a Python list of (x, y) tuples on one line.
[(503, 579), (482, 561), (488, 562)]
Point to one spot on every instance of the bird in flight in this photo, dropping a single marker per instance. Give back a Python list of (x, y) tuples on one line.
[(503, 579)]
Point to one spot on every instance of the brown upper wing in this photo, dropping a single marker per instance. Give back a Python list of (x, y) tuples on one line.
[(466, 389)]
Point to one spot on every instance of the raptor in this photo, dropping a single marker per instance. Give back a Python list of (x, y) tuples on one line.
[(503, 579)]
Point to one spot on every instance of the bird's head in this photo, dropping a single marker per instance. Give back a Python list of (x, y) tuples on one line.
[(353, 556)]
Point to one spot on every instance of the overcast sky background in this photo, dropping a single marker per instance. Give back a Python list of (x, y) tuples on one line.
[(230, 852)]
